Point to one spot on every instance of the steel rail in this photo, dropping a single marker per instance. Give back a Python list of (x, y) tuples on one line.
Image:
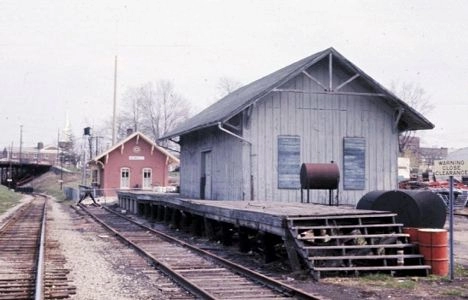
[(13, 218), (39, 290), (186, 284), (271, 283), (24, 229)]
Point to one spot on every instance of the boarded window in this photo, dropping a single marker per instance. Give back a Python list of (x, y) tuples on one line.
[(289, 159), (354, 163)]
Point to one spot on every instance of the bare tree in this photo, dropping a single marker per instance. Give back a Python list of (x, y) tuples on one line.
[(227, 85), (132, 116), (416, 97), (164, 109), (152, 108)]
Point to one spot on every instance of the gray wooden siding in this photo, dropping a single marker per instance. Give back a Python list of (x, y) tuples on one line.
[(227, 164), (322, 121)]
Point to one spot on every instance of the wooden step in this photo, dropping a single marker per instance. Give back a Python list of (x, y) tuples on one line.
[(371, 268), (356, 226), (326, 247), (372, 215), (353, 236), (365, 257)]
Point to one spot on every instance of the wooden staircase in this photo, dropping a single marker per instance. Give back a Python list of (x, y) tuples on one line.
[(354, 244)]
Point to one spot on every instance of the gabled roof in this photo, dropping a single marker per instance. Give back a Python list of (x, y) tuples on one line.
[(140, 136), (460, 154), (243, 97)]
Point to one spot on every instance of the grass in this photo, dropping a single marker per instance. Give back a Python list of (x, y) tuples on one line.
[(444, 286), (8, 199), (461, 271), (49, 184), (387, 281), (455, 292)]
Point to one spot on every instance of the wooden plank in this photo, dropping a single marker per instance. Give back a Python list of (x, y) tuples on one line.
[(330, 70), (289, 245), (371, 215), (347, 226), (364, 257), (350, 247), (314, 79), (289, 159), (352, 236), (330, 93), (372, 268), (346, 82), (354, 164)]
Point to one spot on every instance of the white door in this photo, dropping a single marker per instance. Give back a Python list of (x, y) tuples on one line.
[(147, 179), (124, 178)]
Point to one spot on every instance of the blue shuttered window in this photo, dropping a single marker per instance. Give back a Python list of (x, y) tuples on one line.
[(289, 160), (354, 163)]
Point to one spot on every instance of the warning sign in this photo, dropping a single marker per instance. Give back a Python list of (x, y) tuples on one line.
[(450, 168)]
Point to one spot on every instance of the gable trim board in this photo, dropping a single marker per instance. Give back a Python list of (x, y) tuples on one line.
[(138, 135)]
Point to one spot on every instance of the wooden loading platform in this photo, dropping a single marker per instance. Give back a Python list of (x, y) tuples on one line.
[(325, 240)]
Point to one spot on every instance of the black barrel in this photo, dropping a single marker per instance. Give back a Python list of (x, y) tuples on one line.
[(320, 176), (367, 201), (421, 209)]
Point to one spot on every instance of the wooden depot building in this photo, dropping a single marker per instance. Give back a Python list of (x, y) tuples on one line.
[(251, 144)]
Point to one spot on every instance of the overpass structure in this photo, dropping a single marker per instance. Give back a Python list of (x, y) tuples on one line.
[(14, 174)]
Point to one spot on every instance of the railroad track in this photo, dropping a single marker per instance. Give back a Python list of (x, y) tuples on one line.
[(32, 266), (202, 273), (462, 213)]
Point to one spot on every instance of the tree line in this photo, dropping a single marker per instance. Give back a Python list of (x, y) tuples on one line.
[(153, 108)]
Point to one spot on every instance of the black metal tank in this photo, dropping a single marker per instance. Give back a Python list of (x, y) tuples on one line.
[(421, 209), (320, 176)]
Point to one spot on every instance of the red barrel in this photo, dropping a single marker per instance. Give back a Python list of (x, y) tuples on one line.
[(433, 244), (413, 233)]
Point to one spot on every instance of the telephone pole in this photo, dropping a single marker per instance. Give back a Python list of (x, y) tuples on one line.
[(20, 143), (115, 103)]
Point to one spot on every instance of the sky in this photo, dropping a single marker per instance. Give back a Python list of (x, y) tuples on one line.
[(57, 57)]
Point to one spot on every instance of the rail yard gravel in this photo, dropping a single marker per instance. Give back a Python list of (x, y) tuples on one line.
[(99, 264)]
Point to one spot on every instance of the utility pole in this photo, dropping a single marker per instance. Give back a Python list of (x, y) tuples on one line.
[(96, 150), (86, 135), (20, 144), (115, 103), (10, 175), (59, 156)]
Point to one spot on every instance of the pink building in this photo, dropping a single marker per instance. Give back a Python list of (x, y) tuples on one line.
[(134, 163)]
